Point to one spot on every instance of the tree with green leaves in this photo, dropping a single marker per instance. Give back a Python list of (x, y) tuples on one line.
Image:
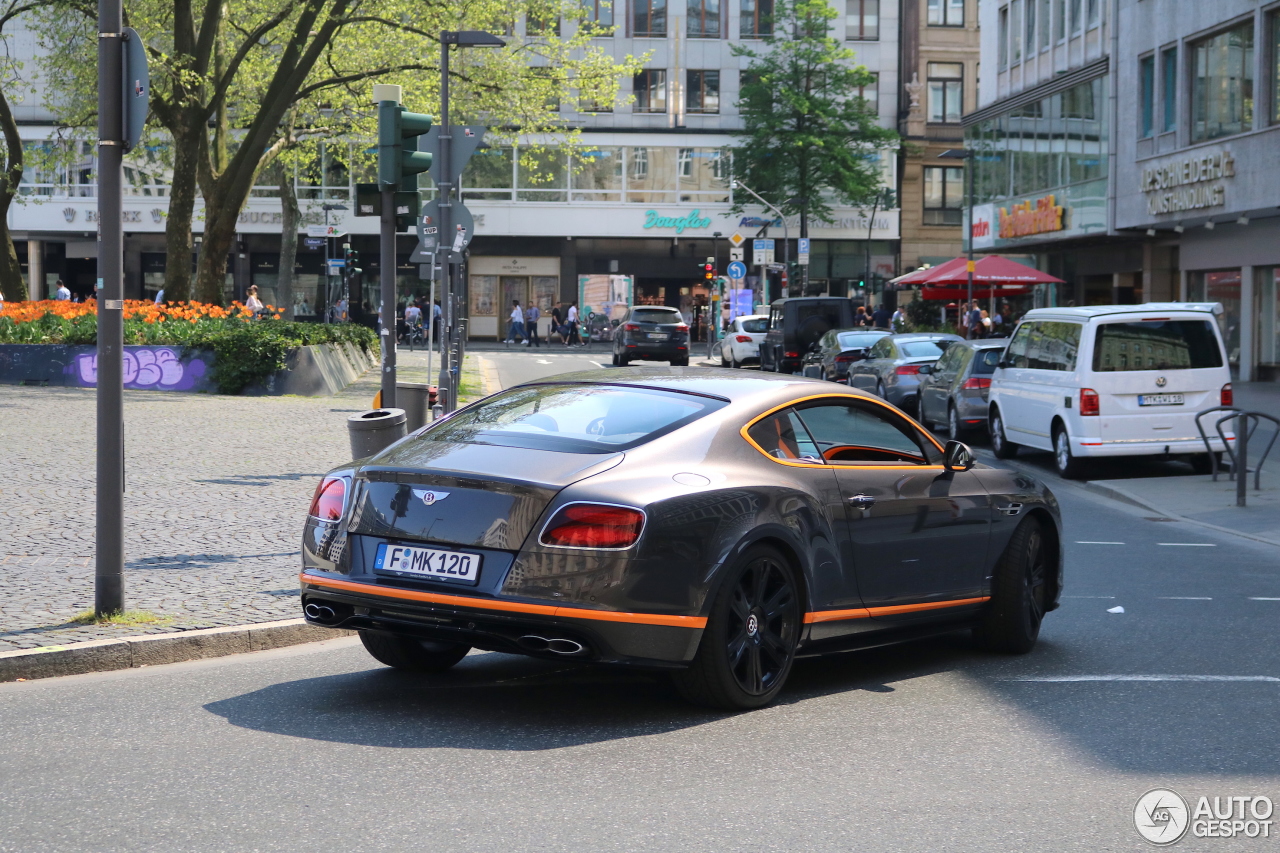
[(809, 141), (237, 84)]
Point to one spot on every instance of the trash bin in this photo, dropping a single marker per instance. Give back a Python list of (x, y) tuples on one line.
[(371, 431), (416, 399)]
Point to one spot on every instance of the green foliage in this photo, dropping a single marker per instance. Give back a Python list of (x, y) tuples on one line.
[(923, 315), (808, 140)]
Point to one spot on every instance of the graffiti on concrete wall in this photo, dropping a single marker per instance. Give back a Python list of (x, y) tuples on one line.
[(147, 368)]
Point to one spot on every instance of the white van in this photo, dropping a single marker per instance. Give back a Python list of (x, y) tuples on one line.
[(1111, 380)]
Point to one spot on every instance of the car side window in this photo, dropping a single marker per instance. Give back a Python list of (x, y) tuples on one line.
[(783, 436), (857, 433), (880, 349), (1019, 352), (1051, 346), (949, 361)]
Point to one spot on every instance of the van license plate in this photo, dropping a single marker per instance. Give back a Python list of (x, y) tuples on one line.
[(1160, 399), (428, 563)]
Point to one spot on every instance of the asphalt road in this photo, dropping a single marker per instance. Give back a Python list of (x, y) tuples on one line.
[(927, 747)]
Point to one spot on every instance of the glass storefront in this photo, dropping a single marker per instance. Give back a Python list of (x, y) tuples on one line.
[(1268, 330), (1221, 286)]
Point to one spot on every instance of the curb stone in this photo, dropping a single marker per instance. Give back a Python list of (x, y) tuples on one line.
[(154, 649)]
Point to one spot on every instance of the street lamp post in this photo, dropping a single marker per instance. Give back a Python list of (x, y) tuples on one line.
[(786, 239), (880, 196), (966, 154)]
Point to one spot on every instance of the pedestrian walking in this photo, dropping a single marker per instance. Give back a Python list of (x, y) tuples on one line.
[(975, 319), (252, 302), (160, 296), (571, 320), (557, 320), (531, 317), (880, 318), (860, 316), (517, 322), (63, 294)]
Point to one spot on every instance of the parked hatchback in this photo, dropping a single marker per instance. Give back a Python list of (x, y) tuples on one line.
[(651, 333), (831, 356), (892, 367), (954, 389), (1110, 380), (742, 342)]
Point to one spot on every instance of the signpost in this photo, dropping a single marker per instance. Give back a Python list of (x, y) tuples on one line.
[(736, 271), (736, 254), (762, 252), (802, 245), (737, 240), (323, 231)]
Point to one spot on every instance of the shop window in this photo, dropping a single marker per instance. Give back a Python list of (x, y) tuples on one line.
[(1221, 286), (862, 20), (597, 174), (484, 295), (1169, 90), (756, 19), (650, 89), (946, 86), (598, 17), (651, 175), (703, 19), (1269, 319), (946, 13), (702, 92), (649, 19), (943, 195), (1222, 84), (1147, 82)]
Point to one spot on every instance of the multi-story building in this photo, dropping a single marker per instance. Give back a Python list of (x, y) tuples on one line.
[(646, 192), (939, 72)]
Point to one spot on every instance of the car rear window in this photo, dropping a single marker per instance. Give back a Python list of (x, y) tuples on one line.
[(656, 315), (756, 325), (572, 418), (919, 349), (984, 363), (1156, 345), (851, 340)]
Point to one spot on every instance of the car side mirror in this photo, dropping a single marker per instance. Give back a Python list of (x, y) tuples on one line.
[(926, 369), (1004, 362), (958, 457)]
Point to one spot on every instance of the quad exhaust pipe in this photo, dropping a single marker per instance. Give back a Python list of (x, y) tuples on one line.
[(319, 613), (555, 645)]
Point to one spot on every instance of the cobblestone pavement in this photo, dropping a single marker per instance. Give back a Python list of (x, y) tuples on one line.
[(216, 491)]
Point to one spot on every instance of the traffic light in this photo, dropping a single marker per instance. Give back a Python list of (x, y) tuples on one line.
[(709, 269), (398, 156), (352, 258), (862, 282)]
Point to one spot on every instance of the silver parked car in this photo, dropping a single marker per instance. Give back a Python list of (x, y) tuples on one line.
[(954, 389), (892, 367)]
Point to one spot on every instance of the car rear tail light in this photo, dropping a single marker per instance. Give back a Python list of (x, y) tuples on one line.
[(907, 369), (790, 354), (742, 339), (1226, 397), (843, 358), (976, 383), (330, 498), (1088, 402), (594, 526), (631, 327), (682, 327)]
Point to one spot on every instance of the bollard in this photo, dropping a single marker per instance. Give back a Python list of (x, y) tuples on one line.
[(415, 399), (372, 431), (1242, 459)]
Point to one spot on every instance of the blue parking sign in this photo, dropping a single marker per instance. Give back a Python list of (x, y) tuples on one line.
[(803, 245)]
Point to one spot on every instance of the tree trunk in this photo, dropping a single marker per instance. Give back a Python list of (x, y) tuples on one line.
[(289, 219), (219, 237), (11, 284), (177, 229)]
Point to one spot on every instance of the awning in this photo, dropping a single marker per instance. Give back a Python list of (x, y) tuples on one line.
[(962, 293), (990, 269)]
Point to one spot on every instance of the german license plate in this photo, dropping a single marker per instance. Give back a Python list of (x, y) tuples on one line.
[(1161, 400), (428, 563), (658, 336)]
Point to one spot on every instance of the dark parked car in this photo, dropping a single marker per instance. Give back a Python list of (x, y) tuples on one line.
[(892, 367), (954, 389), (715, 524), (651, 333), (796, 324), (831, 356)]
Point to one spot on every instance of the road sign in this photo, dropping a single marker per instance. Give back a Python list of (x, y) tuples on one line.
[(737, 271), (137, 86), (369, 203), (466, 139), (336, 266), (772, 267), (737, 240), (325, 230), (761, 252), (429, 229), (803, 246), (735, 254)]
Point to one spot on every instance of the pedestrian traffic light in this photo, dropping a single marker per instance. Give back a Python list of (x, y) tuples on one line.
[(398, 156), (862, 283)]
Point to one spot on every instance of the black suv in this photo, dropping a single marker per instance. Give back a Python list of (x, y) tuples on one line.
[(796, 324), (651, 333)]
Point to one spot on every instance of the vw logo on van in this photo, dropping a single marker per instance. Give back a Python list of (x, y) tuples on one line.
[(1161, 381)]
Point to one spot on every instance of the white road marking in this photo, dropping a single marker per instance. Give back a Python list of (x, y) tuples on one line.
[(1116, 609), (542, 361), (1184, 598), (1188, 544), (1098, 543), (1262, 598), (1061, 679), (1108, 597)]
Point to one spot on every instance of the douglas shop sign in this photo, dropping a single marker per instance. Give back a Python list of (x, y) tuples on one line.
[(693, 219)]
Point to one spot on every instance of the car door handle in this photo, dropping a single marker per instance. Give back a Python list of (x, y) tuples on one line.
[(862, 501)]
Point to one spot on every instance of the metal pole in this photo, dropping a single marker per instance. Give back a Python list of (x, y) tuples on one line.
[(387, 279), (328, 287), (109, 569), (431, 321), (968, 180), (1241, 468), (444, 243), (866, 269)]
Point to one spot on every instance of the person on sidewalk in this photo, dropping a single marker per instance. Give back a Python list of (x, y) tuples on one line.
[(253, 303), (63, 294), (557, 320), (571, 319), (531, 317), (517, 322), (880, 317)]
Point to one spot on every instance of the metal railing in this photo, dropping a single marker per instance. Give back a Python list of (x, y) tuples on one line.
[(1246, 423)]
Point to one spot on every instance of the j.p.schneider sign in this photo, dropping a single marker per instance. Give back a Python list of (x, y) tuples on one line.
[(692, 219)]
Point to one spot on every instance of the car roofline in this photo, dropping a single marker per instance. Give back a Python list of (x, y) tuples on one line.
[(625, 384)]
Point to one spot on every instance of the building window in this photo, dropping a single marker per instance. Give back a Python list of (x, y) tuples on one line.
[(1222, 84), (1169, 90), (1147, 79), (598, 17), (1003, 34), (946, 13), (539, 26), (1045, 15), (651, 91), (1015, 32), (862, 20), (871, 92), (703, 19), (1075, 16), (702, 92), (1059, 20), (756, 19), (1275, 69), (649, 19), (943, 195), (946, 85), (1031, 27), (1092, 13)]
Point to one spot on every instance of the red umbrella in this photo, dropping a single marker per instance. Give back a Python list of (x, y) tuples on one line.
[(921, 275), (988, 270)]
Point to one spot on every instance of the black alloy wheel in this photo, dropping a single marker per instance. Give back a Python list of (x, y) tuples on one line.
[(412, 654), (1000, 445), (1019, 592), (748, 646)]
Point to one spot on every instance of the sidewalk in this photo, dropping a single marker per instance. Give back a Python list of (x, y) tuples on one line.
[(1201, 500), (217, 488)]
